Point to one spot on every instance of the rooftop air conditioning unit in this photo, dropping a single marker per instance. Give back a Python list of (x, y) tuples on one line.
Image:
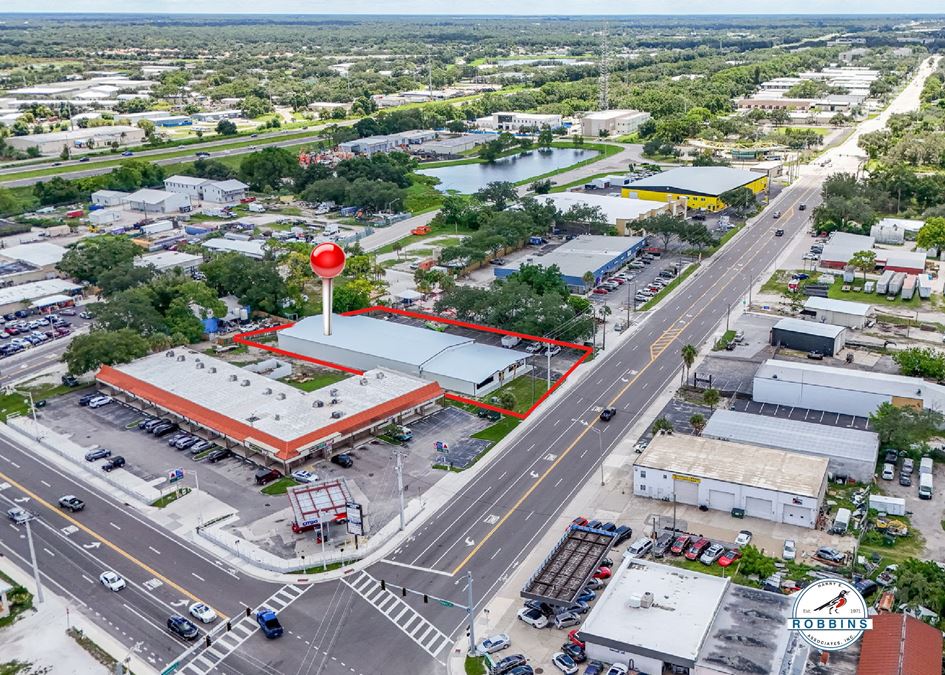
[(213, 369), (200, 365), (318, 404), (233, 377), (337, 415), (280, 396), (634, 602), (276, 417), (363, 381), (335, 401), (647, 600), (170, 354), (379, 375), (267, 391), (181, 358), (244, 383), (332, 392)]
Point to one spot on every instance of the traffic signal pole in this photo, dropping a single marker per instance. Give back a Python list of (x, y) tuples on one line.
[(469, 608)]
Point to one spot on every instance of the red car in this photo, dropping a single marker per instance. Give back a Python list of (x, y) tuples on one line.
[(575, 638), (680, 544), (729, 557), (697, 549), (602, 573), (580, 520), (601, 291)]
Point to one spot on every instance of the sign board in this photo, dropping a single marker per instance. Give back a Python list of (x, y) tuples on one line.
[(691, 479), (442, 446), (174, 475), (355, 518)]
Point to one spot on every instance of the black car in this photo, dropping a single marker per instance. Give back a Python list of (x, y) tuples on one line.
[(98, 453), (595, 524), (507, 663), (609, 527), (608, 414), (905, 479), (165, 429), (779, 232), (115, 462), (621, 534), (866, 587), (542, 607), (217, 455), (70, 380), (891, 457), (88, 397), (574, 651), (182, 627), (264, 475), (490, 415), (343, 460), (815, 356)]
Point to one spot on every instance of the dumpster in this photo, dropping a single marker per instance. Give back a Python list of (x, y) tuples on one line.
[(738, 513)]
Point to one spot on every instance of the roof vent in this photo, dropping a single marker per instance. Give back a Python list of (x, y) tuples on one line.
[(379, 375), (232, 377), (647, 600), (244, 383), (170, 354), (634, 602), (335, 401), (267, 391), (363, 381), (318, 404), (181, 358), (332, 392), (276, 417), (281, 396), (213, 369), (200, 365), (337, 415)]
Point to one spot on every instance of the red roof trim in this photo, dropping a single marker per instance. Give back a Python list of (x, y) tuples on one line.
[(900, 645)]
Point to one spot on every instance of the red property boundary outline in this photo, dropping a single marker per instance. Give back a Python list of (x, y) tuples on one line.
[(242, 338)]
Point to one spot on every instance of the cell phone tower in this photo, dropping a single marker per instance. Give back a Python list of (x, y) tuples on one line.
[(603, 93)]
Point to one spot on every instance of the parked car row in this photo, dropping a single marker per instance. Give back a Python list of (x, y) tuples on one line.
[(690, 547), (23, 334), (621, 532), (95, 400)]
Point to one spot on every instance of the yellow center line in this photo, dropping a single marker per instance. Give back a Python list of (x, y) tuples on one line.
[(117, 549), (761, 241)]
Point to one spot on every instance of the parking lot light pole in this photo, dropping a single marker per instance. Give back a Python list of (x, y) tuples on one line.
[(399, 468), (29, 539)]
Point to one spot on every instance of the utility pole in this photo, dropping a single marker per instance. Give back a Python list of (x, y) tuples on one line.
[(399, 468), (548, 369), (603, 94), (630, 299), (603, 330), (29, 539), (471, 612), (728, 314)]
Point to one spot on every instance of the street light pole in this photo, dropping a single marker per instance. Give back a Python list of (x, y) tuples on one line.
[(399, 468), (471, 611), (29, 539)]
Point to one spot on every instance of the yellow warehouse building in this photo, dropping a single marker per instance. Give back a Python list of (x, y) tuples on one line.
[(700, 186)]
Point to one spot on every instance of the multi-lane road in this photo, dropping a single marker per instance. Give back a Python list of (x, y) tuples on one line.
[(487, 529)]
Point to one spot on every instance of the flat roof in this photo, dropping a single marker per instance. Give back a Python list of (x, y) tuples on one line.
[(36, 289), (842, 245), (253, 247), (612, 114), (904, 223), (245, 405), (839, 306), (167, 259), (231, 185), (149, 196), (614, 208), (186, 180), (79, 134), (707, 180), (793, 435), (41, 253), (674, 627), (739, 463), (436, 352), (584, 253), (851, 379), (809, 327)]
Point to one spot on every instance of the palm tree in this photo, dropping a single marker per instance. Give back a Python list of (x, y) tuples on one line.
[(689, 354), (711, 397), (397, 246), (588, 279), (697, 421)]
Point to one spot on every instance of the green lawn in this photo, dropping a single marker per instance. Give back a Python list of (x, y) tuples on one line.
[(475, 665), (279, 487), (318, 569), (526, 389), (435, 231), (778, 281), (17, 668), (172, 496), (836, 292), (19, 402), (319, 381), (498, 431), (422, 195), (20, 599), (655, 300), (724, 340)]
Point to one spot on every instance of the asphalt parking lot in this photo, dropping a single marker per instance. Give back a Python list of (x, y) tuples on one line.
[(452, 427), (642, 278), (802, 414)]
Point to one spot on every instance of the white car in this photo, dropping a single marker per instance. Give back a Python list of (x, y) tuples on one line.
[(564, 663), (202, 613), (112, 580), (494, 643), (617, 669), (533, 617), (789, 552), (552, 350), (743, 538), (99, 401), (303, 476)]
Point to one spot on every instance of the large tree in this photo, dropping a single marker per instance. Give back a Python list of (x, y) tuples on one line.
[(740, 199), (863, 261), (266, 169), (500, 194), (932, 234), (92, 256), (87, 352)]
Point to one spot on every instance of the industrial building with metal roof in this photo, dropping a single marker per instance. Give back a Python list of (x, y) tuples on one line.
[(457, 363), (785, 487), (244, 409), (846, 391), (619, 212), (596, 254), (39, 253), (701, 186), (840, 248), (849, 452), (837, 312), (20, 297), (808, 336)]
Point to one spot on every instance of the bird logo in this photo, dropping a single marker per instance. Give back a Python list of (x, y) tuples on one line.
[(836, 603)]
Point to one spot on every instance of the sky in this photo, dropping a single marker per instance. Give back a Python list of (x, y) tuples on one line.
[(489, 7)]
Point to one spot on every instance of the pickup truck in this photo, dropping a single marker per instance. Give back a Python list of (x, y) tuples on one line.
[(269, 623), (71, 503)]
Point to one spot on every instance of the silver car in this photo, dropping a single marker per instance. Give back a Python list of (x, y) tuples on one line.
[(494, 643), (18, 515)]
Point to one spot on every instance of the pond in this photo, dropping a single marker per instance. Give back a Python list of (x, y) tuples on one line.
[(468, 178)]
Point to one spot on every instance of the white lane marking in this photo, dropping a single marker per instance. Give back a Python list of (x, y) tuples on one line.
[(113, 525), (418, 568), (50, 553), (155, 550), (197, 576), (45, 483)]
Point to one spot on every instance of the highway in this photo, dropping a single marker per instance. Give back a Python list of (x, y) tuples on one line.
[(487, 529)]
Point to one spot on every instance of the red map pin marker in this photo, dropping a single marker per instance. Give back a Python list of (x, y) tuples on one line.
[(327, 262)]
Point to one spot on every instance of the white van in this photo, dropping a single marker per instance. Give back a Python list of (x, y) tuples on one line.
[(925, 486), (510, 341), (640, 548), (889, 471)]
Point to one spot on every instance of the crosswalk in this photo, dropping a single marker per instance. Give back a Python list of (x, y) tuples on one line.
[(205, 659), (402, 615)]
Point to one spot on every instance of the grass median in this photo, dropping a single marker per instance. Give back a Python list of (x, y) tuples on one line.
[(655, 300)]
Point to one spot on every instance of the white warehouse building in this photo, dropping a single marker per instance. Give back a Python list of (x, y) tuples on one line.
[(613, 122), (783, 487), (844, 391)]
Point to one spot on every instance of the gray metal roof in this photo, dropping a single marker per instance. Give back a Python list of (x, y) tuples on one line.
[(432, 351), (584, 253), (840, 306), (707, 180), (809, 327), (795, 435)]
